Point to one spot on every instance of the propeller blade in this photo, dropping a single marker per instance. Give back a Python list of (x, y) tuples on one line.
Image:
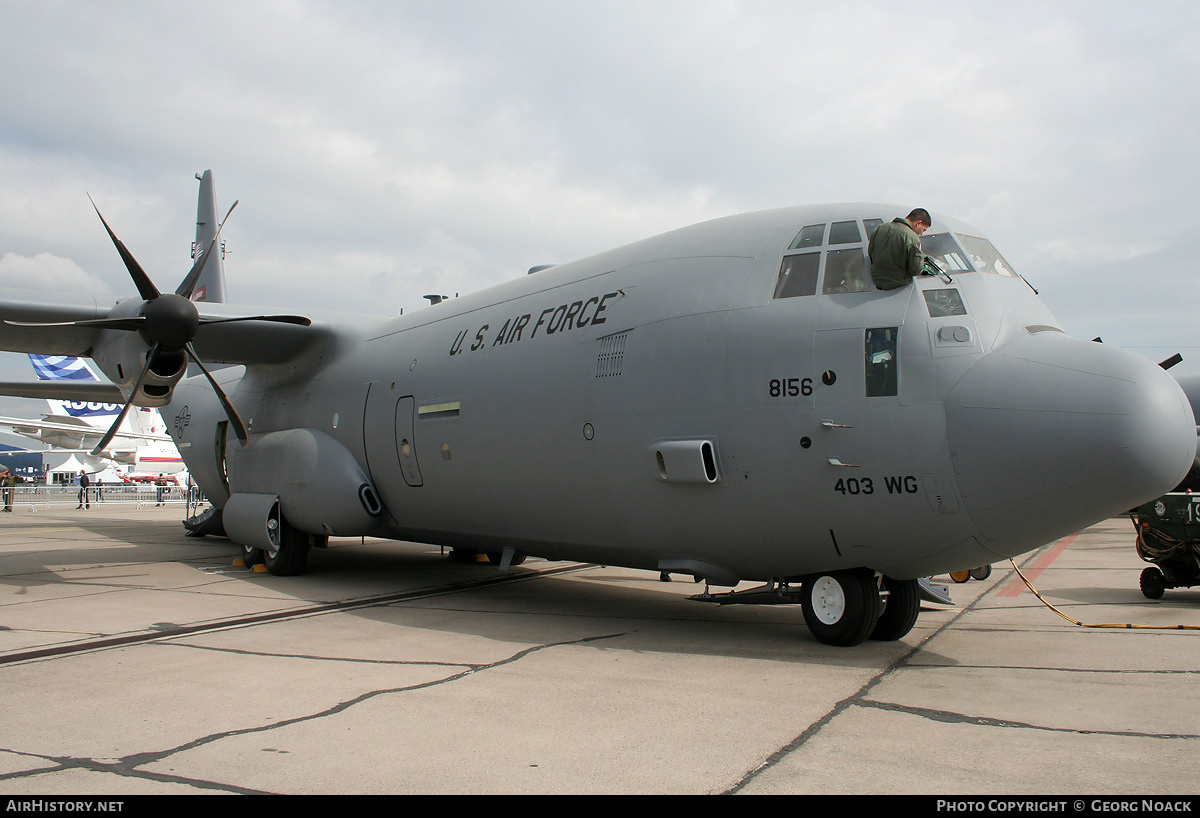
[(299, 320), (234, 418), (116, 424), (145, 286), (134, 322), (189, 281)]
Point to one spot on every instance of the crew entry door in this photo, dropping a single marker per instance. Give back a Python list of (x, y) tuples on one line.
[(406, 445), (390, 444)]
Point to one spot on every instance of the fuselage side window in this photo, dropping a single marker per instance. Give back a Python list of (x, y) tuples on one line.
[(809, 236), (942, 303), (846, 271), (844, 233), (881, 362), (798, 275)]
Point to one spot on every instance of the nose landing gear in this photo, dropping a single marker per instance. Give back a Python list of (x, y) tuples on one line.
[(841, 608)]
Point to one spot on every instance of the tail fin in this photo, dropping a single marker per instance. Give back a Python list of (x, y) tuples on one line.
[(64, 368), (210, 286)]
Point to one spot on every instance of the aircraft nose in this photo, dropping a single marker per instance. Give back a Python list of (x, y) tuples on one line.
[(1050, 433)]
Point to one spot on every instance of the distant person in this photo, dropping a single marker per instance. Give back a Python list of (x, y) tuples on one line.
[(895, 250), (84, 499), (7, 481), (160, 490)]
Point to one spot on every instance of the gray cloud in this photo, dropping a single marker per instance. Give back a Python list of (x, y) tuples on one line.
[(402, 148)]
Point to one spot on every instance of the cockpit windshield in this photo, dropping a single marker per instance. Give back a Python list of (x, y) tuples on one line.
[(984, 257), (958, 253)]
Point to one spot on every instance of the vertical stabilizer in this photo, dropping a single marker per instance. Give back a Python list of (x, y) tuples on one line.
[(64, 368), (210, 286)]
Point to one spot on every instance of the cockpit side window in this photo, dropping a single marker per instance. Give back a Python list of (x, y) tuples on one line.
[(844, 233), (846, 271), (798, 275), (810, 236), (837, 256)]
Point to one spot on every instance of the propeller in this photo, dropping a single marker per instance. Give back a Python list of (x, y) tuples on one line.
[(168, 322)]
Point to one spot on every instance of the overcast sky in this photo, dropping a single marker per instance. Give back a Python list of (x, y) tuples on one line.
[(383, 150)]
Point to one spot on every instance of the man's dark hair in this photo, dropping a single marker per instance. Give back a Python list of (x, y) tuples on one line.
[(920, 214)]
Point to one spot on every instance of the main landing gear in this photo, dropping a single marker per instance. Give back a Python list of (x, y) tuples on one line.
[(841, 608), (290, 557)]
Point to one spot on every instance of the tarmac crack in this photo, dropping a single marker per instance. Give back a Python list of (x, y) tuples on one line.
[(905, 663), (120, 768), (856, 697), (314, 657), (950, 717), (129, 765)]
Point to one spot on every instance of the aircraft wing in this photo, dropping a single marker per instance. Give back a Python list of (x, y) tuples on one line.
[(234, 337), (243, 341), (34, 306), (79, 430), (91, 391), (108, 453)]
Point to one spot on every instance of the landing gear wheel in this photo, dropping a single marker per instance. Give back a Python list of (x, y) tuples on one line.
[(842, 607), (981, 573), (900, 611), (291, 556), (1153, 583), (960, 576), (463, 554), (251, 556)]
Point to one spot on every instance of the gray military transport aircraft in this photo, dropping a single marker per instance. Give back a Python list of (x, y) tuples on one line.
[(731, 401)]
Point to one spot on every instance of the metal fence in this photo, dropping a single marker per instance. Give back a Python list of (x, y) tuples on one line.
[(139, 494)]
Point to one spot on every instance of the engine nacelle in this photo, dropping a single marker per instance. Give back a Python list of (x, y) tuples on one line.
[(122, 356)]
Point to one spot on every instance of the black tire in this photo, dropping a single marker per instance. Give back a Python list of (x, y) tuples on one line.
[(251, 556), (1153, 583), (981, 573), (900, 611), (463, 554), (291, 557), (841, 607)]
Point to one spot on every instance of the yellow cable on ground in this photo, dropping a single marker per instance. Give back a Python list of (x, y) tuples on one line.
[(1129, 626)]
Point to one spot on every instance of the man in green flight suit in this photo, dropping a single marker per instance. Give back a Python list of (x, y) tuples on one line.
[(895, 250)]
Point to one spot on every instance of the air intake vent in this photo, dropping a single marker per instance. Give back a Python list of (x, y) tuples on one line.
[(686, 461), (612, 354)]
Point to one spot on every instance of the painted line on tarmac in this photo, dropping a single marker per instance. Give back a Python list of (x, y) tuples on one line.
[(1016, 586)]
